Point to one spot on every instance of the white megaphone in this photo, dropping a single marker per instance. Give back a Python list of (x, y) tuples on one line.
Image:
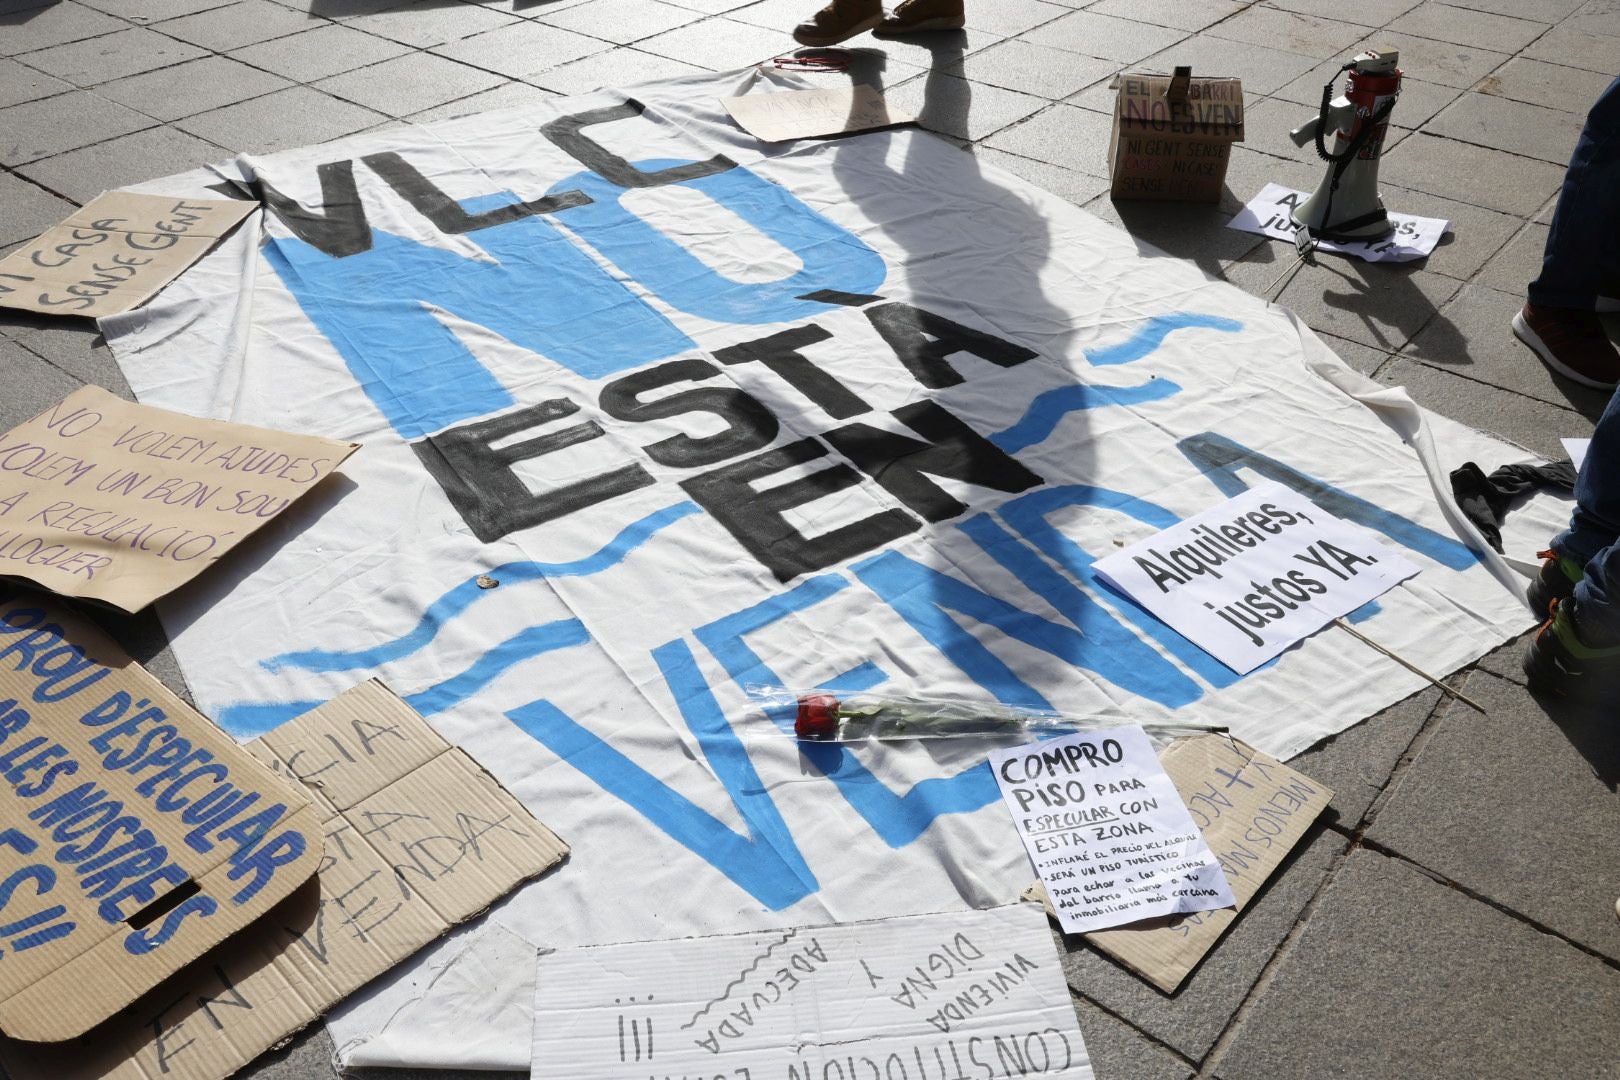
[(1345, 205)]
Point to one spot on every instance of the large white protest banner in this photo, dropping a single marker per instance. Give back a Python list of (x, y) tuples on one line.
[(857, 414), (928, 997), (1107, 830), (1250, 577)]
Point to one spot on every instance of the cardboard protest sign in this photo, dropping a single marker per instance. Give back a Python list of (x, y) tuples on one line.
[(134, 834), (108, 500), (1255, 574), (921, 996), (1106, 830), (115, 253), (1252, 810), (418, 839), (1270, 213), (804, 114), (1172, 136)]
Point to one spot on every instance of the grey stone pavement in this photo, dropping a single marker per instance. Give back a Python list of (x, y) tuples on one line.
[(1453, 916)]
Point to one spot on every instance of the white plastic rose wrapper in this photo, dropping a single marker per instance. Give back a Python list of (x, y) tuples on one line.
[(825, 716)]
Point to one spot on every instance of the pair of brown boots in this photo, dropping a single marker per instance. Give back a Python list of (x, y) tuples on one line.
[(843, 19)]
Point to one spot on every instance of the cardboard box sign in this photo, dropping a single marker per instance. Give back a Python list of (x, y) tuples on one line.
[(1173, 136), (418, 839), (134, 834)]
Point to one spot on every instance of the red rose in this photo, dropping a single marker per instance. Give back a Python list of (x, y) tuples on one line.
[(818, 717)]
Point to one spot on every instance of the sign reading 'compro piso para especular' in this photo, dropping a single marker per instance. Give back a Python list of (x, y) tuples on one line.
[(1256, 574)]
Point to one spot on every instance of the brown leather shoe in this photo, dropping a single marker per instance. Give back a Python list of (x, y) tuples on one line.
[(919, 16), (839, 21), (1572, 343)]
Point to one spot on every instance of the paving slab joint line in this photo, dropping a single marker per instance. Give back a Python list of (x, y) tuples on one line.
[(1426, 731), (1497, 905), (1147, 1036), (1257, 989)]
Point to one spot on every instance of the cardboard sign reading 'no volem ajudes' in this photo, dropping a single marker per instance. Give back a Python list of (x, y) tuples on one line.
[(805, 114), (108, 500), (134, 834), (418, 839), (116, 253), (1252, 810), (1256, 574)]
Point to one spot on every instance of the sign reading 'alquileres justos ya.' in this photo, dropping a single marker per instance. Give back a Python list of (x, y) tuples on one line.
[(861, 414)]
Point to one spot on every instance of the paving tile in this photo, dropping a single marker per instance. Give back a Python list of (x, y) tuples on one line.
[(1548, 11), (1290, 31), (1465, 26), (74, 345), (1077, 187), (935, 51), (1181, 14), (1423, 60), (512, 95), (188, 89), (19, 83), (1034, 69), (1472, 174), (297, 116), (1473, 336), (1364, 358), (1062, 135), (1507, 661), (1533, 424), (614, 67), (1120, 1052), (1474, 236), (951, 106), (1518, 263), (111, 56), (37, 129), (1266, 125), (1005, 18), (1551, 85), (522, 50), (26, 210), (409, 84), (1514, 126), (1597, 17), (1261, 69), (1366, 12), (231, 27), (24, 30), (1396, 975), (426, 23), (714, 7), (1357, 762), (720, 44), (329, 49), (32, 385), (81, 175), (1564, 45), (621, 21), (1190, 231), (1191, 1020), (151, 11), (1528, 776), (1090, 34), (1378, 304)]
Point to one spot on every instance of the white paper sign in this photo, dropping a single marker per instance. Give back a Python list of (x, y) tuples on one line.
[(1254, 575), (1107, 830), (974, 993), (1269, 214), (1576, 449)]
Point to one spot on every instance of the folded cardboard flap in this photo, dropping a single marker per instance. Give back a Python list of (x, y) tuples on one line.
[(1253, 810), (417, 837), (134, 834), (1172, 135)]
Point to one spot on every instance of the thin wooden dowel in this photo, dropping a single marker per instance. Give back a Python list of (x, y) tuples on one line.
[(1408, 665)]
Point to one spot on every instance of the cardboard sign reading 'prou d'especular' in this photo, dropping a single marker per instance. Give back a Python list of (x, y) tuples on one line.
[(134, 834), (418, 839), (1256, 574), (805, 114), (108, 500), (927, 997), (115, 253), (1252, 810)]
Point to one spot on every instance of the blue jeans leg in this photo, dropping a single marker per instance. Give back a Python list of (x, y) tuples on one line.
[(1582, 260), (1593, 538)]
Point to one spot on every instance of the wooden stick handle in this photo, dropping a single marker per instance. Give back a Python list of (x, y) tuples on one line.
[(1409, 666)]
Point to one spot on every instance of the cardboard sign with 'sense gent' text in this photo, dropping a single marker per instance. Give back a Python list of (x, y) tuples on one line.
[(418, 839), (108, 500), (115, 253), (134, 834), (1259, 572)]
